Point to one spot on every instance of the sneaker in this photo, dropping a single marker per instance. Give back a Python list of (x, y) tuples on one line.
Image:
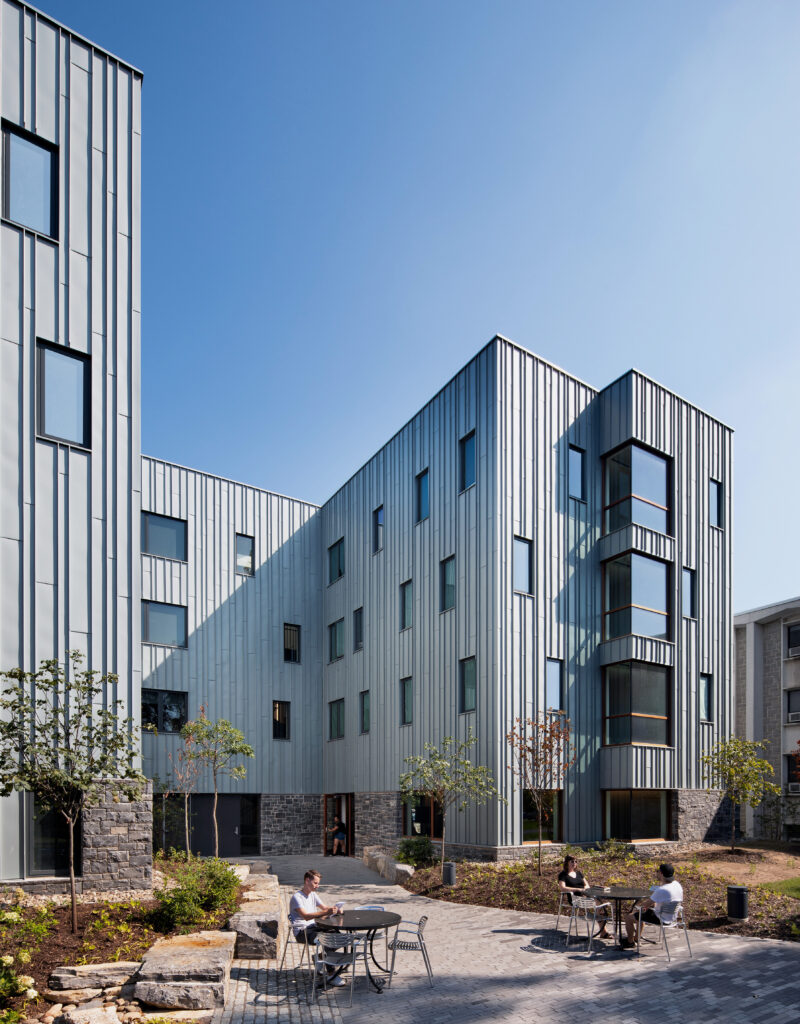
[(337, 982), (627, 944)]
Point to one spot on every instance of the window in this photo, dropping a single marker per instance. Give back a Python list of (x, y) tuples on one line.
[(636, 704), (466, 461), (358, 629), (291, 643), (280, 719), (793, 637), (336, 719), (377, 529), (575, 473), (164, 536), (636, 490), (522, 565), (715, 503), (553, 695), (793, 769), (336, 640), (422, 507), (636, 597), (550, 817), (245, 555), (49, 847), (706, 695), (363, 711), (636, 814), (467, 685), (422, 816), (447, 583), (406, 605), (163, 624), (336, 561), (63, 394), (687, 595), (164, 710), (30, 173), (406, 702), (793, 703)]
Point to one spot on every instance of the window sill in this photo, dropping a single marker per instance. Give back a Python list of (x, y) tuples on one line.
[(523, 593), (334, 660), (443, 611), (160, 643), (658, 746), (424, 519), (63, 441), (244, 575), (334, 739), (167, 558), (469, 711), (334, 582), (358, 650), (467, 488), (39, 235), (405, 629)]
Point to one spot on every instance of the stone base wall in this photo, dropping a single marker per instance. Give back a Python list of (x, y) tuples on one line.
[(378, 820), (118, 842), (291, 823), (700, 815)]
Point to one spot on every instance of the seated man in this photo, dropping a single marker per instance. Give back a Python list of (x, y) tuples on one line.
[(304, 908), (668, 891)]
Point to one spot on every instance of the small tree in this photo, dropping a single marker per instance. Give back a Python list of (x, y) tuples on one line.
[(448, 777), (184, 770), (215, 745), (541, 754), (63, 739), (734, 766)]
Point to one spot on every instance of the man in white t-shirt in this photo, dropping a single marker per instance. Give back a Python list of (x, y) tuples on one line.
[(667, 891), (305, 907)]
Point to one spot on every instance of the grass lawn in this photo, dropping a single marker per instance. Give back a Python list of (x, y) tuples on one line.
[(789, 887)]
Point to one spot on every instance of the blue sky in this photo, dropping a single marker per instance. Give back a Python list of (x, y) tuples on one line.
[(342, 202)]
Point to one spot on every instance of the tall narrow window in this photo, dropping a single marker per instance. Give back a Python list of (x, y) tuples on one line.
[(448, 583), (553, 695), (793, 640), (636, 703), (522, 565), (636, 489), (377, 529), (575, 472), (245, 555), (336, 719), (636, 597), (467, 685), (63, 394), (687, 594), (336, 640), (280, 719), (291, 643), (164, 536), (406, 702), (30, 173), (466, 461), (715, 516), (163, 624), (422, 507), (706, 695), (406, 604), (363, 711), (358, 629), (336, 561)]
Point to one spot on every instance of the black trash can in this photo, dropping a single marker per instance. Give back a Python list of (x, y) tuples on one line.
[(738, 909), (448, 873)]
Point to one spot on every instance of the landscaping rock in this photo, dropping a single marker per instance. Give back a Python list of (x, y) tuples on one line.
[(187, 971), (93, 975), (95, 1015), (402, 872), (258, 928), (69, 996)]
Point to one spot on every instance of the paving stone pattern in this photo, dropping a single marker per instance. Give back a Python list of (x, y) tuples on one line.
[(505, 966)]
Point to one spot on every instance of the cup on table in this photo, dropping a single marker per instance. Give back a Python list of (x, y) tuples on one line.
[(339, 908)]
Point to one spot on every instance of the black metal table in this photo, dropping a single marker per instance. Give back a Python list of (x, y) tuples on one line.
[(369, 921), (617, 893)]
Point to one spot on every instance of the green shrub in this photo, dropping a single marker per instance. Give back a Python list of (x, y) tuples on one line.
[(418, 851), (614, 849), (202, 888)]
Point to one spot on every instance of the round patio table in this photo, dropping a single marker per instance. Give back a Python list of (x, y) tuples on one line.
[(617, 893), (369, 921)]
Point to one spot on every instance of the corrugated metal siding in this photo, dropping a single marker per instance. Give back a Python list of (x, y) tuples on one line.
[(67, 551), (233, 662)]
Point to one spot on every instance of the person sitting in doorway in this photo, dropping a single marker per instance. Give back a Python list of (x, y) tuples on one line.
[(305, 907), (667, 891), (572, 881), (339, 835)]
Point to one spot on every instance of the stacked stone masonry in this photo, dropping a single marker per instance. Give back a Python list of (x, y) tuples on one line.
[(377, 820), (700, 815), (772, 652), (291, 823), (118, 842)]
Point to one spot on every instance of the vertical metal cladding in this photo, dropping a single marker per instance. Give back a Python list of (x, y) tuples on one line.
[(234, 659), (67, 551)]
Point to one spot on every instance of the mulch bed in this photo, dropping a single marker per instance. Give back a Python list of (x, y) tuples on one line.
[(518, 886)]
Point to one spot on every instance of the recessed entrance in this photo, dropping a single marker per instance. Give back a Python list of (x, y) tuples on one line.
[(341, 804), (237, 820)]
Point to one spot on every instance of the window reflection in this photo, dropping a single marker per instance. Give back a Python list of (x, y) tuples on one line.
[(30, 183), (636, 490)]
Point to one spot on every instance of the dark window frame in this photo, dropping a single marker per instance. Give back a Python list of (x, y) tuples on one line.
[(666, 614), (463, 483), (445, 562), (705, 681), (358, 629), (669, 717), (430, 810), (406, 588), (793, 629), (527, 541), (556, 828), (688, 581), (285, 726), (335, 552), (378, 523), (407, 701), (421, 507), (336, 719), (669, 531), (9, 129), (252, 539), (146, 624), (462, 703), (561, 708), (582, 452), (668, 807), (364, 703), (85, 360), (147, 515), (716, 504), (332, 632), (161, 698), (289, 650)]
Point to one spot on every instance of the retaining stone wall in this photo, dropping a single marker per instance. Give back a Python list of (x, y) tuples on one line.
[(118, 842), (291, 823), (700, 815)]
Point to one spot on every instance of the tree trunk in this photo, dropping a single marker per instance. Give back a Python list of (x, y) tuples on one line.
[(72, 893), (186, 823), (733, 827), (216, 828), (444, 820), (540, 842)]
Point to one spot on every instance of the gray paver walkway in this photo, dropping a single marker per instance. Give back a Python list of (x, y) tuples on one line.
[(504, 966)]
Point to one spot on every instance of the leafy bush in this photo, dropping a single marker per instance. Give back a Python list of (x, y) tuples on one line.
[(614, 849), (201, 888), (13, 984), (418, 851)]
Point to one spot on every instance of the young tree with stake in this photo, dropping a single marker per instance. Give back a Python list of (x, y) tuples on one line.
[(735, 767)]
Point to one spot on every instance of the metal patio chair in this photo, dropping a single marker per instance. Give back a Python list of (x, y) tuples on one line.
[(678, 923), (328, 952), (415, 945), (587, 907)]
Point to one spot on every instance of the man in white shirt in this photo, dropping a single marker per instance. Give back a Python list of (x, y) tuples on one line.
[(667, 891), (305, 907)]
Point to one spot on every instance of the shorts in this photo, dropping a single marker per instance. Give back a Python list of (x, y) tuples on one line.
[(649, 916)]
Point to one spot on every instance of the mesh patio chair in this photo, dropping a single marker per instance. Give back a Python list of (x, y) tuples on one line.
[(678, 923), (415, 945), (377, 906), (588, 907), (329, 952), (305, 950), (563, 904)]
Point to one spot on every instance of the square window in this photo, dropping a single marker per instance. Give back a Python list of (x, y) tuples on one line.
[(358, 629), (245, 555), (522, 565), (63, 393), (575, 472), (466, 461), (30, 173), (291, 643), (164, 536), (793, 703), (377, 529), (553, 690), (467, 685), (363, 711), (280, 719), (636, 597), (406, 702), (163, 624), (336, 561), (715, 510), (164, 710), (336, 719), (448, 584), (793, 637), (336, 640), (706, 694), (422, 507), (687, 594), (406, 605)]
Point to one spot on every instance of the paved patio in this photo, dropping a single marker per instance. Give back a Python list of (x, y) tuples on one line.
[(504, 966)]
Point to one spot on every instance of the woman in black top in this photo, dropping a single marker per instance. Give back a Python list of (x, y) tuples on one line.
[(571, 880)]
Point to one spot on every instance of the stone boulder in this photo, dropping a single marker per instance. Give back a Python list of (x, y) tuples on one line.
[(190, 972), (91, 1015), (92, 975), (261, 924), (65, 996)]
